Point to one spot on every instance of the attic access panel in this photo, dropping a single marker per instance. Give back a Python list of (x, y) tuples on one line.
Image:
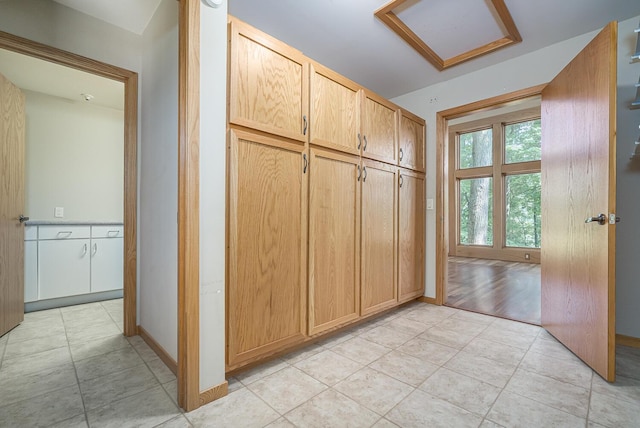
[(453, 31)]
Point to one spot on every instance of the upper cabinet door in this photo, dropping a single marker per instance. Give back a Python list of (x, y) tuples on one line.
[(379, 129), (335, 108), (411, 141), (268, 84)]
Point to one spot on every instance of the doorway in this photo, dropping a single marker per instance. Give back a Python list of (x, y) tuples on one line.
[(130, 81)]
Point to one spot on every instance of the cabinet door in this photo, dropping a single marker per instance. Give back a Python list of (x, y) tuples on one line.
[(411, 235), (30, 271), (378, 284), (267, 202), (106, 264), (63, 268), (334, 211), (268, 84), (335, 107), (411, 142), (379, 129)]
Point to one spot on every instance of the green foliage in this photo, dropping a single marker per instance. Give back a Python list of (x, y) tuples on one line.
[(522, 141), (522, 206)]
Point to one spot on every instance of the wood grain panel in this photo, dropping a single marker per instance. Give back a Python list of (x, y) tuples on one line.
[(334, 237), (411, 235), (335, 111), (378, 228), (411, 141), (268, 88), (379, 128), (12, 152), (267, 242), (578, 181)]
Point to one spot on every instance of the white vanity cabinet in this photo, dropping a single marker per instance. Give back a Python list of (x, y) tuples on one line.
[(30, 263), (106, 258)]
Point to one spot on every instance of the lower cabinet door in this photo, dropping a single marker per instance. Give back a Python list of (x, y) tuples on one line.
[(411, 235), (106, 264), (64, 268), (30, 271)]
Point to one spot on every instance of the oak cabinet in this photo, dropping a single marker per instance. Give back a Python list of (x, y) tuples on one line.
[(268, 84), (334, 239), (378, 128), (411, 235), (267, 206), (411, 151), (378, 228), (334, 111)]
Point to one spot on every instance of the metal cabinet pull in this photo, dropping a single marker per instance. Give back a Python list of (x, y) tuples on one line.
[(359, 173), (84, 250), (359, 141), (401, 180), (304, 129), (94, 250), (306, 163), (401, 154), (365, 144), (364, 171)]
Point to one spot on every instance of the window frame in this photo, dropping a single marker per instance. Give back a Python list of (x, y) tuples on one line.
[(499, 170)]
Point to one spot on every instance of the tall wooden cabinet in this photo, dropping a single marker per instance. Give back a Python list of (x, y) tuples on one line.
[(411, 141), (378, 128), (411, 235)]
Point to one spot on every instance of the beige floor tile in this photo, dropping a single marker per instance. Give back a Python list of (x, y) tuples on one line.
[(281, 423), (21, 332), (43, 410), (360, 350), (552, 348), (591, 424), (18, 388), (177, 422), (79, 334), (517, 327), (406, 325), (404, 367), (623, 388), (391, 338), (172, 390), (335, 340), (474, 317), (303, 354), (384, 423), (39, 315), (286, 389), (481, 368), (560, 395), (488, 424), (34, 363), (93, 348), (428, 351), (79, 421), (104, 390), (495, 351), (463, 391), (332, 409), (427, 317), (512, 410), (421, 410), (460, 326), (328, 367), (261, 371), (148, 408), (450, 338), (506, 337), (573, 372), (234, 384), (87, 320), (374, 390), (611, 412), (112, 362), (627, 362), (141, 347), (40, 323), (33, 346), (161, 371), (241, 408)]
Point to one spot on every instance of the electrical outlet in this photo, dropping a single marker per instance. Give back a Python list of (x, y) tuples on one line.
[(527, 256), (58, 212)]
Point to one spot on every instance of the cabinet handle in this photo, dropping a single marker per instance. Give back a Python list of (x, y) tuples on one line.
[(359, 172), (84, 250), (304, 121), (94, 250), (359, 141), (364, 171), (401, 180), (113, 233), (401, 154), (65, 232), (306, 163), (365, 144)]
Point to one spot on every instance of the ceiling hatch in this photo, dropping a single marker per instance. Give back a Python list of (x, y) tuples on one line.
[(448, 33)]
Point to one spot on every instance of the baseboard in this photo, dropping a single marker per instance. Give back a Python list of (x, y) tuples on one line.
[(214, 393), (159, 350), (627, 341), (429, 300)]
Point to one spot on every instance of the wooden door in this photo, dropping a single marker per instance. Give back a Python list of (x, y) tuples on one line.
[(12, 133), (578, 182), (335, 111), (411, 148), (378, 289), (378, 129), (267, 203), (268, 84), (334, 238), (411, 235)]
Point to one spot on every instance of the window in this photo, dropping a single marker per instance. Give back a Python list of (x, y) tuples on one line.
[(494, 187)]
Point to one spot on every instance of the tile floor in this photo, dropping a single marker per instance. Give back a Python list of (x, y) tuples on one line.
[(419, 366)]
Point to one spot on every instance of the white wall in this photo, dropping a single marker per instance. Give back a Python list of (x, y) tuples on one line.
[(529, 70), (74, 159), (158, 196), (213, 76)]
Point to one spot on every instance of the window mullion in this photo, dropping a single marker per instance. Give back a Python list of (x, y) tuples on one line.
[(498, 187)]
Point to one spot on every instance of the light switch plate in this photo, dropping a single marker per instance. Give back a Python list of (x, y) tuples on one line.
[(58, 212), (429, 204)]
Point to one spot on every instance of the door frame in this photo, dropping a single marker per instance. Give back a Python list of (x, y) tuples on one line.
[(442, 173), (130, 81)]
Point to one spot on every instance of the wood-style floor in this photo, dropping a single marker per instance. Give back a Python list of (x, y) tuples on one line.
[(504, 289)]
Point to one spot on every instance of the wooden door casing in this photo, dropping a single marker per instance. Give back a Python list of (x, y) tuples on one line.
[(12, 153), (411, 141), (334, 239), (267, 203), (411, 235), (379, 129), (268, 84), (334, 111), (378, 225), (578, 182)]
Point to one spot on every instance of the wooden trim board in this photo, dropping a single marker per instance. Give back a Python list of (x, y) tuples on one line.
[(623, 340), (130, 81), (158, 349), (214, 393)]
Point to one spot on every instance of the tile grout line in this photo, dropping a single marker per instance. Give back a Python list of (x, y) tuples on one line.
[(75, 370)]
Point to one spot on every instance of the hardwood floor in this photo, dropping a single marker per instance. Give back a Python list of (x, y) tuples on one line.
[(504, 289)]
